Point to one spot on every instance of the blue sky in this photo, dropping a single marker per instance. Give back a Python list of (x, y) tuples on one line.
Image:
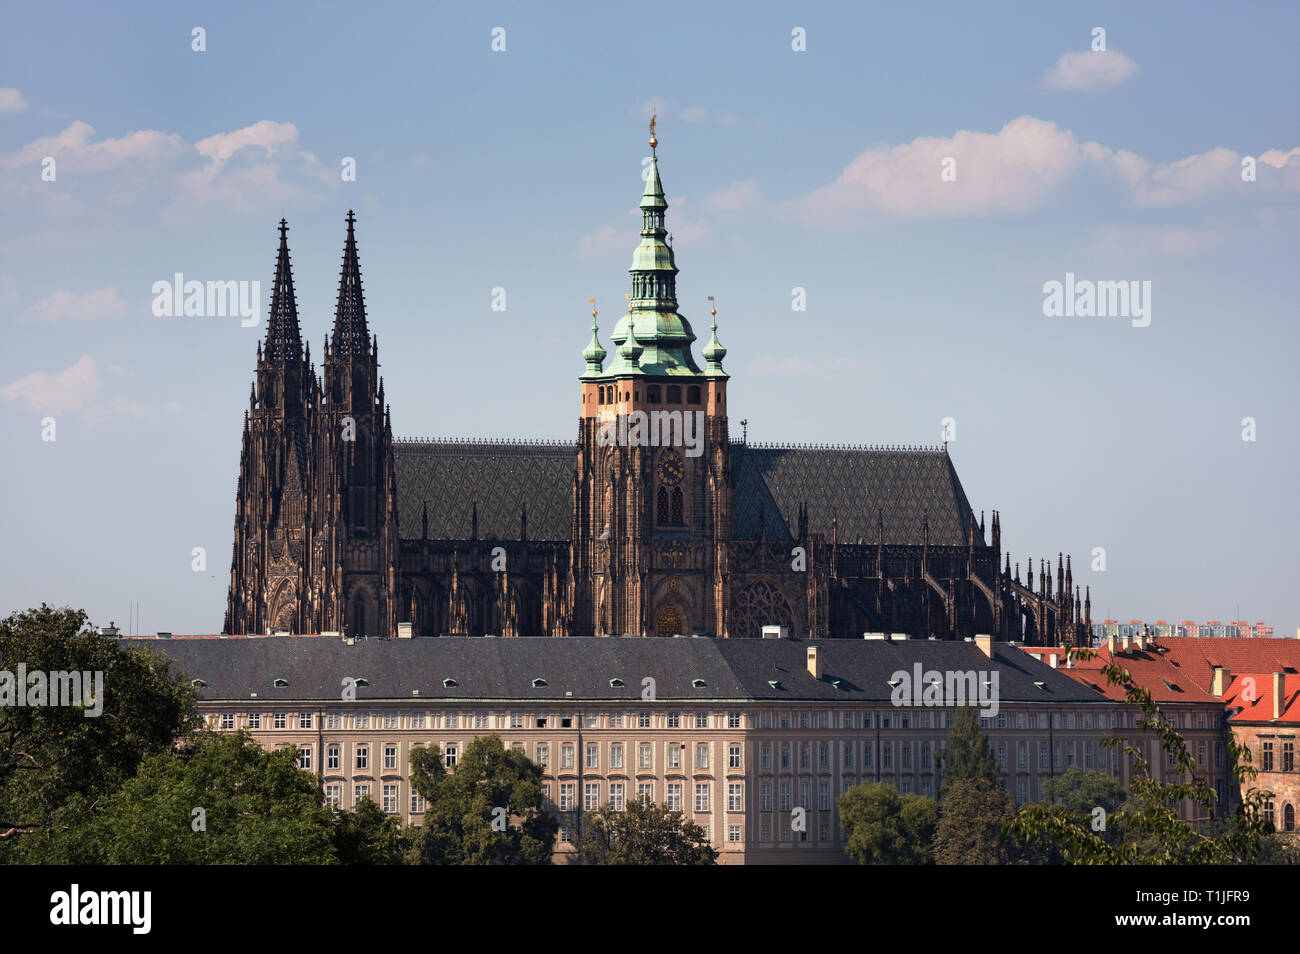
[(817, 169)]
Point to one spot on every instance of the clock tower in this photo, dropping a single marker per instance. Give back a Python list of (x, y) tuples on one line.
[(652, 489)]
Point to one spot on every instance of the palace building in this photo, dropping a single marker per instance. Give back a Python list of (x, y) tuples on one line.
[(756, 741), (654, 521)]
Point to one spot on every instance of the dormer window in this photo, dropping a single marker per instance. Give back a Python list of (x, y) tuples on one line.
[(448, 682), (198, 684), (539, 683), (616, 683), (281, 683), (698, 683)]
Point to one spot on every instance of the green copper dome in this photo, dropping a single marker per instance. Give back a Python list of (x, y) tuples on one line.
[(652, 338), (593, 354)]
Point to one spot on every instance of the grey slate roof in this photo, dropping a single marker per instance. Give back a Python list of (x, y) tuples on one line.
[(581, 668), (451, 477), (852, 486)]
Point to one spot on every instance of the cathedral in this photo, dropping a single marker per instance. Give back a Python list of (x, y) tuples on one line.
[(654, 521)]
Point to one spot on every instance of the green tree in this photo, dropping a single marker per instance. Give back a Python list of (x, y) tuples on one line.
[(487, 810), (1154, 833), (222, 800), (56, 762), (368, 836), (883, 827), (642, 834), (968, 754), (973, 816)]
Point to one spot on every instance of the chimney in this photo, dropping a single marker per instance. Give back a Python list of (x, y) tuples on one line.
[(985, 644), (404, 630), (1111, 642), (814, 662), (1222, 676), (1052, 660), (1124, 644), (1139, 643), (1279, 694)]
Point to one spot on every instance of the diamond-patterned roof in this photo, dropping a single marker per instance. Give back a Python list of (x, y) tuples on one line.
[(501, 477), (853, 486), (850, 485)]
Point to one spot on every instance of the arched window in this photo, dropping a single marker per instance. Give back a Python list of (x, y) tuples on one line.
[(359, 618), (677, 506), (661, 506), (1288, 818), (693, 394), (674, 394), (652, 394)]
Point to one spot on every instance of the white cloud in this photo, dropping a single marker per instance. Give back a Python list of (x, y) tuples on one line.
[(11, 100), (735, 198), (67, 390), (1090, 71), (1012, 170), (74, 150), (1007, 170), (90, 306), (266, 135)]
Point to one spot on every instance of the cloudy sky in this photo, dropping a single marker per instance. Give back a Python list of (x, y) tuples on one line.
[(920, 176)]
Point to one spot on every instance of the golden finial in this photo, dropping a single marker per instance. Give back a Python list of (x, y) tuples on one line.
[(628, 296), (653, 141), (712, 308), (593, 306)]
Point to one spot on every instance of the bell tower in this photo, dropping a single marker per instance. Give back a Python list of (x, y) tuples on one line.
[(652, 489)]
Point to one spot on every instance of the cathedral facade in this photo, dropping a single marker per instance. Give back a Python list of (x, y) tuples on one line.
[(655, 521)]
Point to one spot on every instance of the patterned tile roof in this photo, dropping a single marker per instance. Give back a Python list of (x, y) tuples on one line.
[(500, 477), (852, 486)]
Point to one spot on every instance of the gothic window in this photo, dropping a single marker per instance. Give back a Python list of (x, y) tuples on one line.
[(693, 394), (677, 506), (652, 394), (1288, 818), (674, 394), (661, 507), (757, 605), (670, 621), (358, 618)]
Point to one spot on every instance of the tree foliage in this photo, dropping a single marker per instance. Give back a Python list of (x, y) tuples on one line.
[(367, 836), (973, 818), (56, 763), (884, 827), (1154, 831), (222, 800), (642, 834), (968, 755), (487, 810)]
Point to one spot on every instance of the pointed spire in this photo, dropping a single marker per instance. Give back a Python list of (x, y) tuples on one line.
[(351, 335), (713, 352), (594, 354), (283, 340), (631, 350)]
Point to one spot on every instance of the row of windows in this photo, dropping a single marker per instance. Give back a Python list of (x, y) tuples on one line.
[(901, 718), (483, 720), (596, 794), (1269, 752), (672, 394)]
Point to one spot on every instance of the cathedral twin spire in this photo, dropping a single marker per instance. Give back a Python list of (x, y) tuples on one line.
[(351, 335)]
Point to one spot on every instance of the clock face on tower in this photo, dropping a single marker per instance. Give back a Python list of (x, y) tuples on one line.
[(671, 468)]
